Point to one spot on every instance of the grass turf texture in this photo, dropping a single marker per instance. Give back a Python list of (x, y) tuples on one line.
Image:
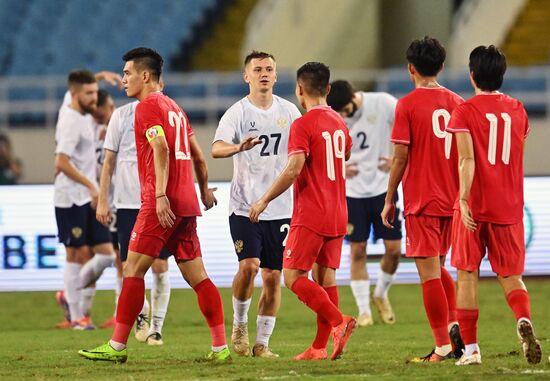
[(32, 349)]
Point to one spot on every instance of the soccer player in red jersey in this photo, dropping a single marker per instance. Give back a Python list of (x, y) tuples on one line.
[(318, 147), (490, 131), (426, 161), (167, 151)]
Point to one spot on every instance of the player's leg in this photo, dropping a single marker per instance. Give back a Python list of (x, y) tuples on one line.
[(113, 227), (390, 260), (506, 249), (468, 314), (358, 233), (160, 297), (100, 240), (247, 242), (185, 246)]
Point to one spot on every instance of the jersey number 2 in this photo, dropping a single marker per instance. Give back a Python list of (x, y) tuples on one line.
[(336, 144), (178, 121)]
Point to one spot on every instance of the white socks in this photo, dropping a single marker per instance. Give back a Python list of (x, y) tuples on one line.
[(444, 350), (86, 299), (93, 269), (361, 292), (160, 296), (383, 284), (145, 308), (471, 349), (71, 280), (116, 345), (240, 311), (264, 329)]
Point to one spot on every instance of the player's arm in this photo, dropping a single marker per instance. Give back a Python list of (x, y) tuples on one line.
[(399, 164), (160, 158), (64, 164), (103, 211), (110, 77), (282, 183), (466, 170), (221, 149), (201, 172)]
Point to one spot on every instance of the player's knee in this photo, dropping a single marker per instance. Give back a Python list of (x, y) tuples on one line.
[(358, 251), (249, 269), (271, 279)]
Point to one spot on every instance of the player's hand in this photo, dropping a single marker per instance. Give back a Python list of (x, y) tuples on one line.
[(388, 214), (351, 171), (164, 213), (110, 77), (94, 195), (103, 213), (257, 208), (466, 216), (249, 143), (384, 163), (208, 199)]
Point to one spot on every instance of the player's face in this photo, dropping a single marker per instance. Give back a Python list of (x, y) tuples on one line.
[(349, 110), (87, 97), (261, 74), (102, 114), (131, 80)]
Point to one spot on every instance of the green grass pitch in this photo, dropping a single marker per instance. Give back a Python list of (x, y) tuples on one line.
[(31, 349)]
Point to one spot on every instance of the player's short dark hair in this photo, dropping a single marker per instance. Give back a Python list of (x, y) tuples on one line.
[(256, 54), (102, 97), (315, 77), (146, 59), (341, 94), (487, 65), (80, 77), (426, 55)]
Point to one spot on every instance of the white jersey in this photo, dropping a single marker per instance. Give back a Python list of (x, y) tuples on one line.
[(121, 140), (255, 170), (370, 129), (75, 137)]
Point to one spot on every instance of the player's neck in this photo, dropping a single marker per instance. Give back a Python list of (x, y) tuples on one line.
[(147, 90), (310, 103), (261, 100), (478, 91), (76, 106), (426, 82)]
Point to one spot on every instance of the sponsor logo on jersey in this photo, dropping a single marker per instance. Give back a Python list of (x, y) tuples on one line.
[(350, 228), (282, 123), (288, 253), (371, 119), (252, 127), (239, 246), (76, 232), (134, 235)]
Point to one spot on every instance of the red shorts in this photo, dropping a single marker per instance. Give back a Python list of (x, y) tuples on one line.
[(149, 237), (304, 247), (427, 236), (504, 244)]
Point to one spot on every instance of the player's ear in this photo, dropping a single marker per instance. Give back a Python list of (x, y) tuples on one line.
[(146, 76), (411, 69)]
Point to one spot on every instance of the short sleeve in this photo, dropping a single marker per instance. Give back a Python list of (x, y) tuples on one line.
[(67, 135), (114, 132), (147, 115), (401, 133), (298, 141), (459, 120), (527, 128), (229, 125), (389, 103)]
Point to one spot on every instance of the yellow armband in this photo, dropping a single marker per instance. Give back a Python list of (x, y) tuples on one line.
[(153, 132)]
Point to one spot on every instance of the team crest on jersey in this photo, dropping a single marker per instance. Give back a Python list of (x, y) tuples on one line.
[(134, 235), (350, 228), (288, 253), (371, 119), (239, 246), (282, 122), (76, 232)]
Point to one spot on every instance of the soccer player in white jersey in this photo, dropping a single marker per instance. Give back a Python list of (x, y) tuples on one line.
[(120, 153), (255, 132), (369, 117), (75, 195)]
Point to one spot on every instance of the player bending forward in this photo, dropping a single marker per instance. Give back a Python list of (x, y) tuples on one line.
[(318, 147), (165, 147), (490, 131)]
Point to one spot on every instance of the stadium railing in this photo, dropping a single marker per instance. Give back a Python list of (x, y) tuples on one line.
[(35, 100)]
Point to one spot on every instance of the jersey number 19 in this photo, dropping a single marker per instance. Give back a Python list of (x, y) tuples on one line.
[(336, 143)]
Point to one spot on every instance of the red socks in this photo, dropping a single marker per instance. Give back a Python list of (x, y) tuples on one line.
[(130, 303), (450, 292), (467, 320), (518, 300), (435, 303), (316, 298), (210, 304), (323, 327)]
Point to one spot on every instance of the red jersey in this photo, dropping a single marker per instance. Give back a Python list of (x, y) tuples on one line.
[(498, 126), (159, 110), (430, 181), (320, 189)]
